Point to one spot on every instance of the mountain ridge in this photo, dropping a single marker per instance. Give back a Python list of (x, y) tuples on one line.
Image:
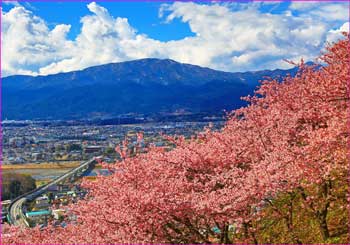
[(144, 86)]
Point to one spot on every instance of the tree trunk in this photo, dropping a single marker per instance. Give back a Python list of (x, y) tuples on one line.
[(323, 223), (224, 235)]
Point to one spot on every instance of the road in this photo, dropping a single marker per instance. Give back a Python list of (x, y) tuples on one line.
[(16, 215)]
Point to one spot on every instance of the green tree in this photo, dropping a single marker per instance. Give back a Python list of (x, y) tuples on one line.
[(14, 185)]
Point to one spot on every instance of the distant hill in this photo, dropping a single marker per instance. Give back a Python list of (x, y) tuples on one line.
[(146, 86)]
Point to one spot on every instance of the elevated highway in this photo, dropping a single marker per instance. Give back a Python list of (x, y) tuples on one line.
[(16, 214)]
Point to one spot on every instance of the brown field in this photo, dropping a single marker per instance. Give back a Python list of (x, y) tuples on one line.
[(45, 165)]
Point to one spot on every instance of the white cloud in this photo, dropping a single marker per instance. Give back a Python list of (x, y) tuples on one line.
[(28, 43), (229, 37), (14, 3), (334, 35), (329, 11), (304, 5)]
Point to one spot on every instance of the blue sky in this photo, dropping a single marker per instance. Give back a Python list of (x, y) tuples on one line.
[(141, 15), (52, 37)]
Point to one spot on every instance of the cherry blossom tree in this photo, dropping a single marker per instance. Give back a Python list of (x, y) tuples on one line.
[(292, 135)]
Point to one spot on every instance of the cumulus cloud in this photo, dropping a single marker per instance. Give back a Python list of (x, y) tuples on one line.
[(230, 37), (323, 11), (335, 34), (28, 43)]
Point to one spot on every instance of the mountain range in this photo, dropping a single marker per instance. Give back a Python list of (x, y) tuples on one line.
[(142, 87)]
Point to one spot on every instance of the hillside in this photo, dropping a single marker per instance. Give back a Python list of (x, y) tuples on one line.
[(146, 86), (276, 173)]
